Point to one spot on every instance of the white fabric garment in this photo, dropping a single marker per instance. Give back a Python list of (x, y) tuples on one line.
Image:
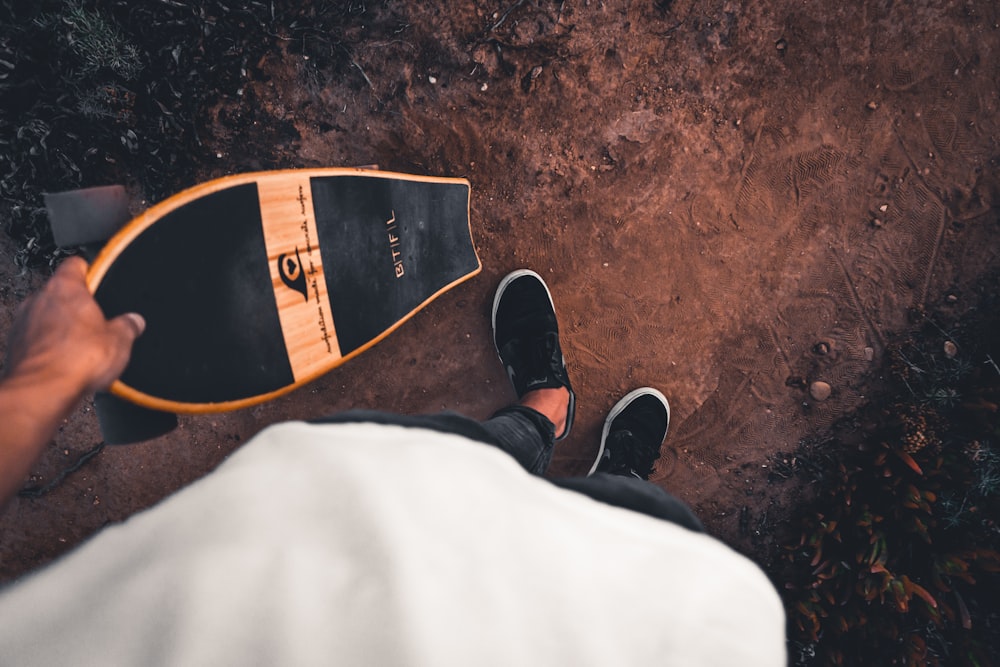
[(363, 544)]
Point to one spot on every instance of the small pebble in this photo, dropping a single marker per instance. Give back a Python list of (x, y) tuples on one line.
[(821, 348), (432, 80), (883, 208), (951, 298), (820, 391), (950, 349), (872, 106), (869, 354), (781, 45)]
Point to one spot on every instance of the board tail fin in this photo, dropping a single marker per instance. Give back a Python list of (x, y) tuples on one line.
[(124, 423), (87, 217)]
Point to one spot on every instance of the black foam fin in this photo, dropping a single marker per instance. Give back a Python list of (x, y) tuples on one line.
[(88, 216), (124, 423)]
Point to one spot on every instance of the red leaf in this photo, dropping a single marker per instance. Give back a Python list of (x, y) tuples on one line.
[(920, 592), (908, 460)]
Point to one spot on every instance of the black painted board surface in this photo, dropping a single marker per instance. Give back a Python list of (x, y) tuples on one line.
[(200, 277), (388, 246)]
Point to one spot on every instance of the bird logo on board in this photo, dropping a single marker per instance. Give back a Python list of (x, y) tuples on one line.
[(292, 274)]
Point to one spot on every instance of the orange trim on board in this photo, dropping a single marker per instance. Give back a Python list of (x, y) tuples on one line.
[(139, 224), (117, 243)]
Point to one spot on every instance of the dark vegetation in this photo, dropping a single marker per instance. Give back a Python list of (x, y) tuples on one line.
[(896, 561), (93, 93)]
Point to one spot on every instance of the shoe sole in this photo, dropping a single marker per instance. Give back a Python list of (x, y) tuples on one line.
[(618, 408), (501, 288)]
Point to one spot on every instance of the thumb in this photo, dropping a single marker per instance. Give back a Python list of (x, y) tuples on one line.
[(122, 332), (127, 328)]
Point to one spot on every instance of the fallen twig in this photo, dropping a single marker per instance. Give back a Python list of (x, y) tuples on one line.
[(39, 491), (503, 17), (989, 360), (369, 81)]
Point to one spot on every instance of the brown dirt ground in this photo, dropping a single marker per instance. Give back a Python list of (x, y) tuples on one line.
[(710, 187)]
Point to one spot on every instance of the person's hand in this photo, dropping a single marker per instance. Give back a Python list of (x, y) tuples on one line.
[(60, 347), (60, 335)]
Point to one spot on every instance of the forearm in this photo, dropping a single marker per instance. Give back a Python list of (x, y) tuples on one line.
[(60, 348), (31, 409)]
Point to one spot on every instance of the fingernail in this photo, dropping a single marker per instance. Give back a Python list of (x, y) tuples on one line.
[(139, 321)]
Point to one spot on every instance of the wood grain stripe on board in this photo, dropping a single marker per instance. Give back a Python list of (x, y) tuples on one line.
[(297, 276)]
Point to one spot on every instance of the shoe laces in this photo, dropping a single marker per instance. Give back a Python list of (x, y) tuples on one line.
[(545, 360), (630, 455)]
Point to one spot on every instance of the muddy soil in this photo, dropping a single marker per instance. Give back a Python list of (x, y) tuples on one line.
[(730, 201)]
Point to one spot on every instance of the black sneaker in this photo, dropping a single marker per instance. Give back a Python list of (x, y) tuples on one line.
[(526, 336), (633, 434)]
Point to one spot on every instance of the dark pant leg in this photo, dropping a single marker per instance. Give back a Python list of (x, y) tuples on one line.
[(529, 437), (525, 434), (444, 422), (633, 494)]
